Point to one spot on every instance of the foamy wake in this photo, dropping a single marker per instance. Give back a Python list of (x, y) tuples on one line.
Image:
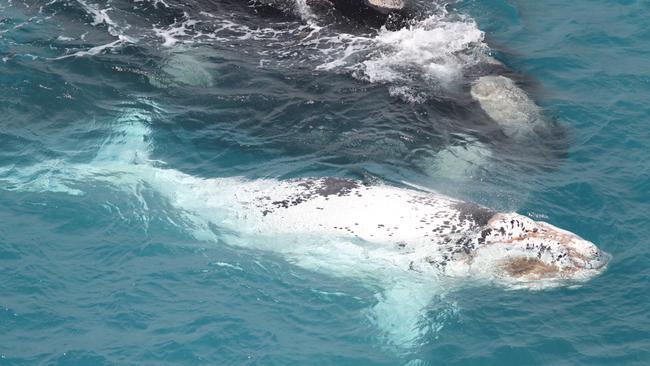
[(437, 50)]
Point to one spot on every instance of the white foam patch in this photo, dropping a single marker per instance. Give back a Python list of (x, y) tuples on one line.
[(100, 16), (49, 176), (178, 32), (156, 3), (228, 265), (436, 49), (407, 94)]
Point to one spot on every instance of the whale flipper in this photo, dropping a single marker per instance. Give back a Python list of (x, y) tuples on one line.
[(507, 104), (403, 312)]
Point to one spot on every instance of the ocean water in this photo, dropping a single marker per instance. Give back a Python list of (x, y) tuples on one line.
[(100, 268)]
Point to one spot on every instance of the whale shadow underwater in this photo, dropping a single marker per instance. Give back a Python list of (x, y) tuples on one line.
[(410, 244)]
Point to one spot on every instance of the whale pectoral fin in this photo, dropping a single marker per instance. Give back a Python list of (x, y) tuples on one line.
[(407, 313), (460, 162), (189, 67)]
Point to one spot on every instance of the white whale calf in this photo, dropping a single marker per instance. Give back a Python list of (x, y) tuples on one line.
[(411, 244)]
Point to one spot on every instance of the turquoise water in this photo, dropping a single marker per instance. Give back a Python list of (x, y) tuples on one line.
[(110, 273)]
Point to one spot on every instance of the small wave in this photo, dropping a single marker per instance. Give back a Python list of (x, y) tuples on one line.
[(228, 265)]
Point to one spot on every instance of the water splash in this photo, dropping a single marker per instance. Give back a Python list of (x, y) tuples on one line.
[(304, 11)]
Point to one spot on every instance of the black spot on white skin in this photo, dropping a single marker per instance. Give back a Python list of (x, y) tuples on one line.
[(331, 186), (478, 215), (310, 189), (459, 220)]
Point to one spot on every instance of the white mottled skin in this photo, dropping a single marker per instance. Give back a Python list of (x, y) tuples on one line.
[(382, 214), (381, 218), (422, 230), (410, 230)]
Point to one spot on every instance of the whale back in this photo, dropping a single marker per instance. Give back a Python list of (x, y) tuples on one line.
[(425, 225)]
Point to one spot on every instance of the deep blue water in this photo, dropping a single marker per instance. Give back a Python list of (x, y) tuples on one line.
[(95, 275)]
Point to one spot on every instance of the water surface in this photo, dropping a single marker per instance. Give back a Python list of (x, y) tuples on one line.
[(95, 275)]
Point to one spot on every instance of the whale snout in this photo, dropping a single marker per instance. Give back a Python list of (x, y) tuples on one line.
[(582, 254), (597, 260), (527, 250)]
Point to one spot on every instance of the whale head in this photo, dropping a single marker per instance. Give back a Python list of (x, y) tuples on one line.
[(517, 250)]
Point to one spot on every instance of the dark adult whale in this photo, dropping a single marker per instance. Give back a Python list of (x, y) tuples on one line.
[(392, 14), (431, 51)]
